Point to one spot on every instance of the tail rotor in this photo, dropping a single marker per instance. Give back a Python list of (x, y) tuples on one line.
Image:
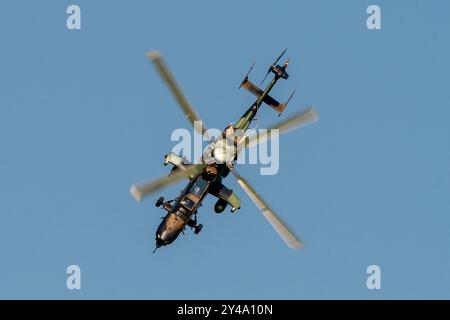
[(273, 66)]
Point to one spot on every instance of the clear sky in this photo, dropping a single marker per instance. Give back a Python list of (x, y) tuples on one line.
[(83, 115)]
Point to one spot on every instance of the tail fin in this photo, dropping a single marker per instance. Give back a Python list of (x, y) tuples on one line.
[(284, 105), (246, 76)]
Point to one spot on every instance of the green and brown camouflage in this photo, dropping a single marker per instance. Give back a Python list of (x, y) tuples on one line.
[(206, 178)]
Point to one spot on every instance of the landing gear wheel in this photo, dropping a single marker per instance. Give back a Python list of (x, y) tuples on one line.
[(198, 228), (159, 202), (191, 223)]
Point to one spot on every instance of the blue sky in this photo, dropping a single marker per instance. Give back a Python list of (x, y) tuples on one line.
[(83, 115)]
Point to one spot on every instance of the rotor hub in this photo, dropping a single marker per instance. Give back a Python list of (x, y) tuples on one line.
[(224, 151)]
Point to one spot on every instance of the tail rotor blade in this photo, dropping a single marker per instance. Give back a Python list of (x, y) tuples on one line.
[(273, 65), (281, 55)]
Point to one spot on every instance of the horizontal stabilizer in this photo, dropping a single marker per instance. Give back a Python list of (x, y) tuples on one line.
[(255, 90)]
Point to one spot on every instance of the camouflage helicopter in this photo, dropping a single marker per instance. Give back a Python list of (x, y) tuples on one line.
[(206, 177)]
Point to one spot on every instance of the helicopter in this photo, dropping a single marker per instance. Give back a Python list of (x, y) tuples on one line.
[(218, 160)]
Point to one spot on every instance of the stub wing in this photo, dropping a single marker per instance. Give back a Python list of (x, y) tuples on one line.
[(222, 192)]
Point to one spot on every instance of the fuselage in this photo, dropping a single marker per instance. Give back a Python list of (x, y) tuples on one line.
[(185, 206), (182, 210)]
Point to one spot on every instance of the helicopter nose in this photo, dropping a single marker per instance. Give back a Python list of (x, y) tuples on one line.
[(163, 238), (160, 239), (159, 243), (166, 233)]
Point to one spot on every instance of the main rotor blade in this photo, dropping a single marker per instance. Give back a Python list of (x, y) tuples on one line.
[(141, 189), (278, 59), (279, 226), (167, 76), (298, 120)]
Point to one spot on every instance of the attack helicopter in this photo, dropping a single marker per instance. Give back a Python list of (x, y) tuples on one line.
[(206, 177)]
